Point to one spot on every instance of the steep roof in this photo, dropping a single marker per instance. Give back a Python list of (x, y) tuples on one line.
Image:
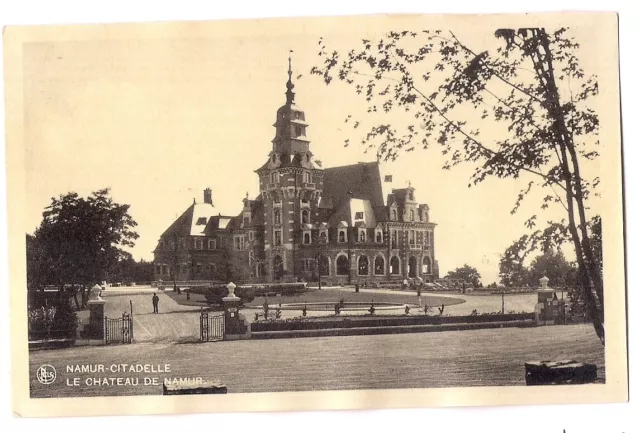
[(199, 219), (361, 181)]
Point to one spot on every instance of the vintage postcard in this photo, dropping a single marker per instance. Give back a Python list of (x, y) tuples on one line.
[(327, 213)]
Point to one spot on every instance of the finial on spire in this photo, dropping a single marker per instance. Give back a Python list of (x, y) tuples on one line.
[(290, 94)]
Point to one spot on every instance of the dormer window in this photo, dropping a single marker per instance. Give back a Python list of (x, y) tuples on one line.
[(410, 195), (362, 235), (394, 214), (359, 215), (412, 215), (378, 236), (306, 238), (342, 235), (306, 177), (201, 221)]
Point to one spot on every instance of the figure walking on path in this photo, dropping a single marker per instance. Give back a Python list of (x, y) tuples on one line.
[(155, 300)]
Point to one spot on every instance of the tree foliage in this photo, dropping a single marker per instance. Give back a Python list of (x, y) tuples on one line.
[(533, 119), (80, 241), (466, 273)]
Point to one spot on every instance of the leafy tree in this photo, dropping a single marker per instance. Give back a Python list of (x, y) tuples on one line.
[(513, 272), (528, 86), (80, 242), (466, 273), (554, 266)]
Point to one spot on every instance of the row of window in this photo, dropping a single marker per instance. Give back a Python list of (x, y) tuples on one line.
[(305, 216), (275, 177), (183, 268), (198, 244), (240, 243), (393, 215), (362, 237)]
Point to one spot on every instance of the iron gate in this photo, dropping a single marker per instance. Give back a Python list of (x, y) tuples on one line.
[(118, 330), (211, 327)]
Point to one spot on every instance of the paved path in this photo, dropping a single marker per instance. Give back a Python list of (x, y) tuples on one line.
[(173, 323), (488, 357)]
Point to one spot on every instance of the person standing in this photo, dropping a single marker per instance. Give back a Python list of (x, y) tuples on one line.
[(155, 300)]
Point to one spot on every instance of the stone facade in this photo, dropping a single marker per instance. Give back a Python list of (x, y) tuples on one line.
[(343, 224)]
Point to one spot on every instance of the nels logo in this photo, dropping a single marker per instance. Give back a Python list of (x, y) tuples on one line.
[(46, 374)]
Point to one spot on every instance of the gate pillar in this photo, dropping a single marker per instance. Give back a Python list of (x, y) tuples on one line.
[(236, 326), (96, 318)]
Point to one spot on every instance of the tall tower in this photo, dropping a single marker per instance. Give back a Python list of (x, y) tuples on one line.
[(290, 184)]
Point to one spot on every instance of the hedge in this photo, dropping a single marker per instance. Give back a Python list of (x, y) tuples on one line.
[(376, 321)]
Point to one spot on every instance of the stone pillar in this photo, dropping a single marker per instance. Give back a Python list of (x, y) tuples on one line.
[(543, 310), (236, 326), (96, 319)]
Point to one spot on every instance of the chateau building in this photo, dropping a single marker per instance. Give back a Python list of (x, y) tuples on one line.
[(342, 224)]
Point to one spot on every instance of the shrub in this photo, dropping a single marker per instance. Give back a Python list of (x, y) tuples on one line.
[(56, 322)]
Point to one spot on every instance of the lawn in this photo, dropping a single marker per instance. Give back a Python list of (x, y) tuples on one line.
[(490, 357), (334, 296)]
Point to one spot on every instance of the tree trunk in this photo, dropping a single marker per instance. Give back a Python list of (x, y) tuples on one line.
[(589, 277), (75, 297)]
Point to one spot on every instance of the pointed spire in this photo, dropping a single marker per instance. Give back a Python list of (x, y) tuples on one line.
[(290, 86)]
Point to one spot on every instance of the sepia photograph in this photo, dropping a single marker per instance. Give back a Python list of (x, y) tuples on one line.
[(420, 209)]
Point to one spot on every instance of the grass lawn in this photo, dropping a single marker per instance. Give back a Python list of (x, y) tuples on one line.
[(489, 357), (334, 296)]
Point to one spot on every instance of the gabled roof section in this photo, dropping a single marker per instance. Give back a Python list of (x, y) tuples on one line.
[(356, 181), (195, 221)]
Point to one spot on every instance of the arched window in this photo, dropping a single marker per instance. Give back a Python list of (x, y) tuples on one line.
[(306, 238), (305, 216), (363, 236), (413, 265), (277, 218), (394, 214), (274, 177), (274, 157), (342, 265), (342, 236), (395, 265), (378, 265), (323, 265), (323, 235), (426, 265), (412, 215), (379, 236), (305, 177), (363, 265)]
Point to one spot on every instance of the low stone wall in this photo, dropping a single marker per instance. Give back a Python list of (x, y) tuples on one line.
[(379, 330)]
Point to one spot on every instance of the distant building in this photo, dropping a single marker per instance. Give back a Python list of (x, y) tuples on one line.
[(344, 224)]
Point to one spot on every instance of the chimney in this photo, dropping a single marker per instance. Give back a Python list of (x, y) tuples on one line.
[(207, 196)]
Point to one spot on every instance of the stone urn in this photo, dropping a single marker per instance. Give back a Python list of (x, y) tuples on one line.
[(232, 288)]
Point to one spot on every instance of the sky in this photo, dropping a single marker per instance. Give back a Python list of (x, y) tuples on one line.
[(159, 116)]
